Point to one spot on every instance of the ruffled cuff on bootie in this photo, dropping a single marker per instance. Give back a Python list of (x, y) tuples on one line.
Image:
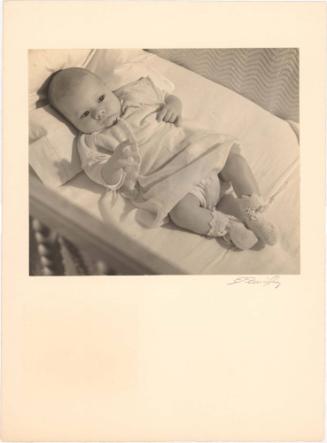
[(255, 202), (232, 230), (218, 225)]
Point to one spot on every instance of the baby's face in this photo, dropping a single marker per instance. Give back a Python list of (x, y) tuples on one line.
[(90, 106)]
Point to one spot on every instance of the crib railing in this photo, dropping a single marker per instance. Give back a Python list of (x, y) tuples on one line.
[(92, 248)]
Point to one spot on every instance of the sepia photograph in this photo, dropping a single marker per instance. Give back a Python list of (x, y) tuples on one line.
[(177, 147), (164, 161)]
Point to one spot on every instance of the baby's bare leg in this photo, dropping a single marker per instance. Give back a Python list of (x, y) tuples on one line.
[(229, 205), (188, 214), (238, 172), (249, 203)]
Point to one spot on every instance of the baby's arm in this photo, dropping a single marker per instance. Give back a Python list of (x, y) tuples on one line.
[(171, 110), (106, 170), (120, 162)]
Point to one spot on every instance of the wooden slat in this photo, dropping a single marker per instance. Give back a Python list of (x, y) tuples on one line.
[(104, 243)]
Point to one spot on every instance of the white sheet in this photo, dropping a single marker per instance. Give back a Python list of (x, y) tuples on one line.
[(272, 150)]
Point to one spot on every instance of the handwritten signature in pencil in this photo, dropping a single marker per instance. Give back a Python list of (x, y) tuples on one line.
[(273, 281)]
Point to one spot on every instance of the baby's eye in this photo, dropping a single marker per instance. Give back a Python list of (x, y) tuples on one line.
[(86, 113), (101, 98)]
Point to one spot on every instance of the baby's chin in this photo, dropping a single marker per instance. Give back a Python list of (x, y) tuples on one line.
[(91, 130), (106, 123), (111, 120)]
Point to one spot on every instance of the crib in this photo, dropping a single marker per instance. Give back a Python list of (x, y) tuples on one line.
[(75, 231)]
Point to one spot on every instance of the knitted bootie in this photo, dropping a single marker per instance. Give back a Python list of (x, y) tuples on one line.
[(232, 230), (251, 208)]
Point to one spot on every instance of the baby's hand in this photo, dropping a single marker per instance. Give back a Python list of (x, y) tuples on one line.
[(125, 155), (171, 110), (124, 158)]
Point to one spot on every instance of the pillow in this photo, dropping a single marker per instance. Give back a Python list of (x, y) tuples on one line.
[(130, 72), (52, 149), (43, 63), (53, 153), (104, 61), (117, 67)]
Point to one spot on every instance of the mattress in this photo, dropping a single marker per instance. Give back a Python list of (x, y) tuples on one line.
[(271, 148)]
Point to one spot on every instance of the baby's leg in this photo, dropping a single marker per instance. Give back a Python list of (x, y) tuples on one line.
[(228, 204), (238, 172), (188, 214), (250, 203)]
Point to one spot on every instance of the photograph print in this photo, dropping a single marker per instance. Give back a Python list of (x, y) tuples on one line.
[(164, 161)]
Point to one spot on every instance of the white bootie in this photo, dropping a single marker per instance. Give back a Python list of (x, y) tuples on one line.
[(232, 230), (251, 208)]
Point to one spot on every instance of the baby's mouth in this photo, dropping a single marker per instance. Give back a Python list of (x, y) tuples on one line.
[(110, 120)]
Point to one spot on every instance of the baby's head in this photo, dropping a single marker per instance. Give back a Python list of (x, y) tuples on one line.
[(83, 99)]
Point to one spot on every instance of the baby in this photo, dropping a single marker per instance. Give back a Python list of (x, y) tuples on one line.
[(131, 140)]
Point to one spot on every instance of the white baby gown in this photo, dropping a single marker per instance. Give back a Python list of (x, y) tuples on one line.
[(173, 159)]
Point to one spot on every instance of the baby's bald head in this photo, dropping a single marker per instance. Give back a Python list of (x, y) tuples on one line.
[(64, 83), (83, 99)]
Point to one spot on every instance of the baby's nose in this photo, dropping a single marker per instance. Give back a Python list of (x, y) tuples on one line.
[(99, 114)]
